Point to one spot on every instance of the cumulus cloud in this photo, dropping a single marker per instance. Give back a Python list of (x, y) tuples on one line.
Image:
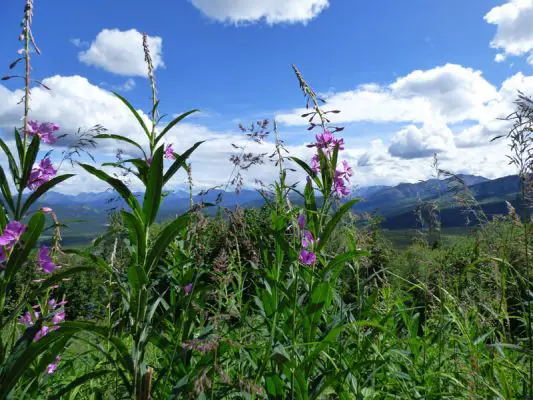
[(414, 142), (121, 52), (513, 28), (272, 11)]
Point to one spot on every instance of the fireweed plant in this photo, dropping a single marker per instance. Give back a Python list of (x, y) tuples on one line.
[(31, 340)]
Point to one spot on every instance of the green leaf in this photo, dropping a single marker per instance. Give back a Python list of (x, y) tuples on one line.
[(135, 113), (173, 123), (152, 195), (137, 277), (28, 241), (308, 170), (118, 185), (80, 381), (180, 162), (20, 145), (11, 160), (29, 161), (137, 234), (121, 138), (6, 191), (20, 361), (166, 236), (334, 221), (42, 190)]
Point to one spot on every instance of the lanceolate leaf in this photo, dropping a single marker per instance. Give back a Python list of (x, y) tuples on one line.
[(11, 160), (135, 113), (333, 222), (121, 138), (166, 236), (42, 190), (29, 161), (6, 191), (80, 381), (118, 185), (180, 162), (173, 123), (308, 171), (137, 234), (154, 186)]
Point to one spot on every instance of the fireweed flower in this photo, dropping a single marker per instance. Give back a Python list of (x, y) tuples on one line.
[(27, 319), (347, 171), (307, 257), (315, 164), (51, 368), (340, 187), (58, 318), (188, 288), (169, 152), (12, 233), (41, 174), (45, 261), (307, 239), (41, 333), (301, 221), (44, 131)]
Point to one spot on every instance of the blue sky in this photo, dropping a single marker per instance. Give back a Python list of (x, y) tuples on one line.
[(232, 60)]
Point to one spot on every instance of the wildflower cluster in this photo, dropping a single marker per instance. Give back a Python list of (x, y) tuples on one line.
[(51, 318), (44, 130), (11, 235), (307, 256), (41, 174)]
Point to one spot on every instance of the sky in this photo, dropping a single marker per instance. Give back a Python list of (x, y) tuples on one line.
[(411, 78)]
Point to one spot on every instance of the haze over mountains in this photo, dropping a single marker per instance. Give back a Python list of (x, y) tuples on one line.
[(395, 203)]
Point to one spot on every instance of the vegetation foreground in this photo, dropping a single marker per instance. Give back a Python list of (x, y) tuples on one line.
[(298, 300)]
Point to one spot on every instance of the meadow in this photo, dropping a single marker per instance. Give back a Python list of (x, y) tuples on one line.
[(293, 300)]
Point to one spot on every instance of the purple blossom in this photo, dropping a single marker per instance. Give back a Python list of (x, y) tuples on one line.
[(41, 174), (41, 333), (169, 152), (51, 368), (45, 261), (340, 143), (315, 163), (307, 239), (58, 317), (27, 319), (340, 187), (44, 131), (188, 288), (301, 221), (325, 140), (307, 257), (346, 170), (12, 233)]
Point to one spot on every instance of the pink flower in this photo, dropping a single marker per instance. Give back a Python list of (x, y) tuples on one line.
[(307, 239), (41, 333), (301, 221), (315, 163), (307, 257), (58, 318), (27, 319), (51, 368), (188, 288), (44, 131), (45, 261), (12, 233), (46, 210), (41, 174), (346, 170), (169, 152), (340, 188)]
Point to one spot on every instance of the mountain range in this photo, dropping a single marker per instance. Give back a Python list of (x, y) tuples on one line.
[(395, 204)]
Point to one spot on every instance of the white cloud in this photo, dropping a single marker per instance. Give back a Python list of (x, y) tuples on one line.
[(121, 52), (126, 86), (500, 57), (272, 11), (513, 27), (414, 142)]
